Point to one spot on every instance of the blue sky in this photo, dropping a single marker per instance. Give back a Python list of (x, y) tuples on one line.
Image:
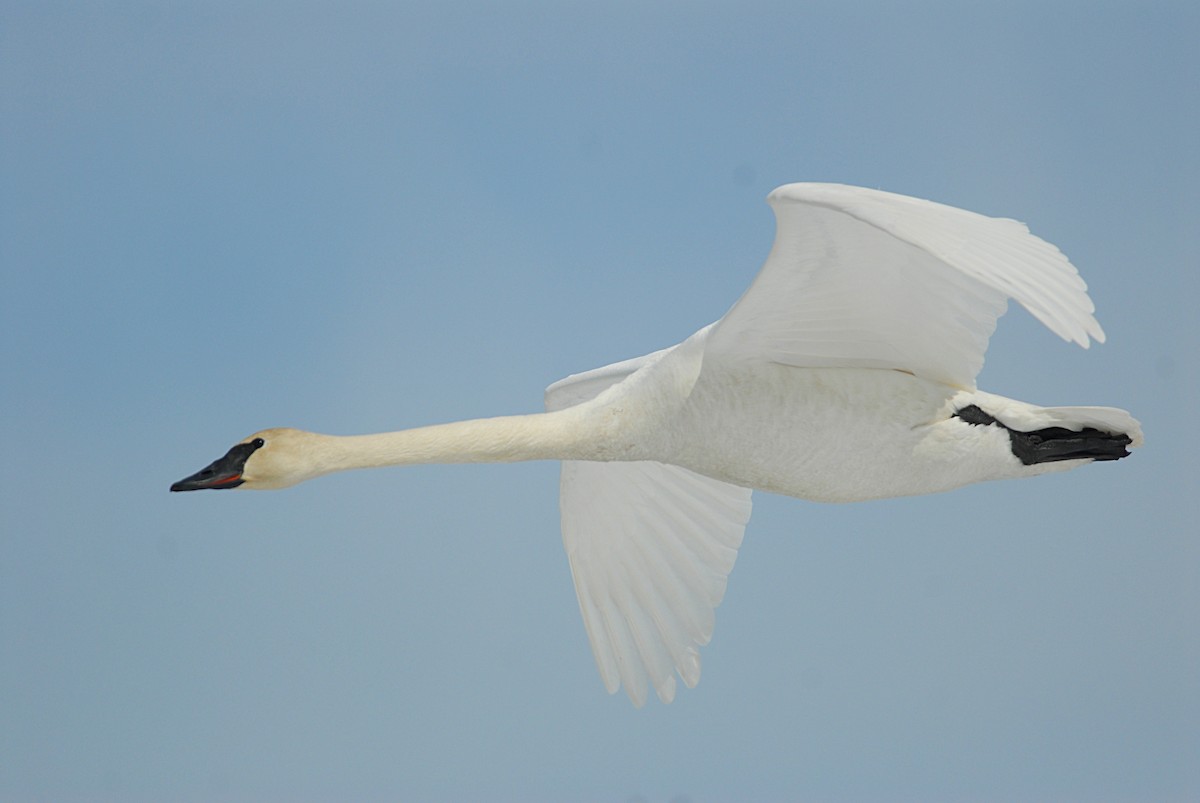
[(353, 217)]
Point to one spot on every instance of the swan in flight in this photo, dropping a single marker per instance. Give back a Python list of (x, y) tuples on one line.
[(845, 372)]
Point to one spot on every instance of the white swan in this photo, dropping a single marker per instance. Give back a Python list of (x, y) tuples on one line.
[(846, 372)]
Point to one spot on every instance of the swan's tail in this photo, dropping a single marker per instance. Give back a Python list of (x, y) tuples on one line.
[(1048, 434)]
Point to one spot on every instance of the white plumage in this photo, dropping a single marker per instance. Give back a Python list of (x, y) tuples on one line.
[(845, 372)]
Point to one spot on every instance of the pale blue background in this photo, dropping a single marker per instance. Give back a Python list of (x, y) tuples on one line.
[(355, 217)]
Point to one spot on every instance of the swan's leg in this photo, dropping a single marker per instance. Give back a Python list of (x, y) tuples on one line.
[(1054, 443)]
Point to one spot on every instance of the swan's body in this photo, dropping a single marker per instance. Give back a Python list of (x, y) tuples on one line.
[(846, 372)]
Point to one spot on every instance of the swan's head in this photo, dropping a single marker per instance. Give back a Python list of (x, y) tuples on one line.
[(273, 458)]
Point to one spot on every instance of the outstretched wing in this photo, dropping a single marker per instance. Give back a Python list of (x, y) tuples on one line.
[(864, 278), (650, 546)]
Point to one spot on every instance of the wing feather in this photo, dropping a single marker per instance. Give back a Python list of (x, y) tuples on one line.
[(864, 278), (650, 548)]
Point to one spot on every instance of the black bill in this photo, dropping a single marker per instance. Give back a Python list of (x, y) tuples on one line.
[(223, 473)]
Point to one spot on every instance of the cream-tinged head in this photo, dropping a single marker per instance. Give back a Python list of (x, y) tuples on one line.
[(270, 459)]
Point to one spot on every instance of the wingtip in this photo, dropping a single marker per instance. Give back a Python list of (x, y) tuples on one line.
[(666, 690), (1089, 332)]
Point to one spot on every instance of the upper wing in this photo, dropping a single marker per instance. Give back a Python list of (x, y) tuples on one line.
[(650, 546), (864, 278)]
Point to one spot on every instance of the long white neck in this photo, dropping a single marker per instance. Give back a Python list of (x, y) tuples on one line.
[(543, 436)]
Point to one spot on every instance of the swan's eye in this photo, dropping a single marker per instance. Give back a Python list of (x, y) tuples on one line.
[(258, 443)]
